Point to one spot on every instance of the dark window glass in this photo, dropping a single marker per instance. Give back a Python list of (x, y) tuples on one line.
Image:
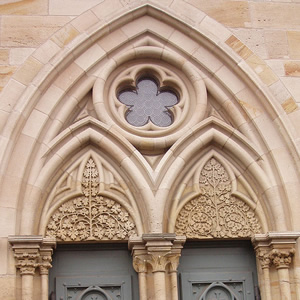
[(147, 103)]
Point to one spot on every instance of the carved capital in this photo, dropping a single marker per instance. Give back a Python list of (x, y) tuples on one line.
[(174, 262), (46, 252), (277, 248), (158, 261), (282, 258), (45, 264), (31, 252), (140, 264), (27, 261), (26, 252), (156, 252), (264, 258)]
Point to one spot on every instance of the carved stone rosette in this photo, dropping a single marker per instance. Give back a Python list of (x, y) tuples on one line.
[(91, 216), (216, 213)]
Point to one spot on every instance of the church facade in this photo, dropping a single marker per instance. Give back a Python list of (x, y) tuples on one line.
[(150, 150)]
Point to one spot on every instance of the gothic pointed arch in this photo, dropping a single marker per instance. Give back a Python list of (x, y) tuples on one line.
[(215, 212), (72, 104), (96, 212)]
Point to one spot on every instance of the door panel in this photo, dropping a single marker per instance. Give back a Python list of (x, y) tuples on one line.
[(93, 272), (94, 288), (218, 286), (217, 271)]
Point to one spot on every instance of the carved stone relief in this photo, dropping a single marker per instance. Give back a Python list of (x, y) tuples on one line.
[(216, 213), (91, 216)]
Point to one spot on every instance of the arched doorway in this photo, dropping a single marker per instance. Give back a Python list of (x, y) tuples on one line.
[(101, 168)]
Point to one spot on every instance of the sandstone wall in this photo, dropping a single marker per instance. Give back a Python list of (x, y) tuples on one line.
[(270, 29)]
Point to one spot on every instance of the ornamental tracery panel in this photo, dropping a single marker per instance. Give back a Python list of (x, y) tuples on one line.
[(92, 215), (215, 212)]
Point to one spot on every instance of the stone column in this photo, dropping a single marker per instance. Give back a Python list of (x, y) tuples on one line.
[(32, 252), (262, 250), (139, 265), (282, 260), (277, 249), (46, 252), (156, 256), (26, 251), (174, 262)]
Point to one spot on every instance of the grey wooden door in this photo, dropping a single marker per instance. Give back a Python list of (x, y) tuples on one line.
[(218, 271), (93, 272)]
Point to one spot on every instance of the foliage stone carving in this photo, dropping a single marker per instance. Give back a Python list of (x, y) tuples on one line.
[(91, 216), (216, 213)]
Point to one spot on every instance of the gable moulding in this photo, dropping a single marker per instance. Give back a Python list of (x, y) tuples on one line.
[(68, 54)]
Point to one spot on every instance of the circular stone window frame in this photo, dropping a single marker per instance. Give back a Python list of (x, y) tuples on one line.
[(174, 74)]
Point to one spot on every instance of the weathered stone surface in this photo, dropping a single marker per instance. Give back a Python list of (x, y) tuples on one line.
[(4, 56), (275, 15), (230, 13), (239, 47), (289, 105), (24, 7), (292, 68), (293, 43), (276, 43), (5, 73), (25, 31)]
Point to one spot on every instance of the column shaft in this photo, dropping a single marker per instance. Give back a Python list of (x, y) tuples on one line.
[(159, 285), (27, 287), (268, 293), (142, 286), (284, 282), (174, 286)]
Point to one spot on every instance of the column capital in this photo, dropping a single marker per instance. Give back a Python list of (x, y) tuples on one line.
[(158, 252), (46, 252), (275, 248), (31, 251), (282, 258)]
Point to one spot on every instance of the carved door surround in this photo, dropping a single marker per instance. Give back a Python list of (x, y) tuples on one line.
[(200, 123), (156, 258)]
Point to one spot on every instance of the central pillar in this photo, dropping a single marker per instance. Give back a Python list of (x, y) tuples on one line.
[(156, 258)]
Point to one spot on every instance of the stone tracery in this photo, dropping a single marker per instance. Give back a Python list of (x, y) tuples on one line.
[(216, 213), (91, 216)]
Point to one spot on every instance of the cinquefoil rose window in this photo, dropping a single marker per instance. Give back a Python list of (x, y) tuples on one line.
[(148, 103)]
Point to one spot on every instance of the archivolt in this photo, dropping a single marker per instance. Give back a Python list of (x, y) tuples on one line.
[(43, 110)]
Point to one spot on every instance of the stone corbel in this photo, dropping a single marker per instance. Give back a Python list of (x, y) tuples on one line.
[(157, 254), (32, 252), (277, 249)]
